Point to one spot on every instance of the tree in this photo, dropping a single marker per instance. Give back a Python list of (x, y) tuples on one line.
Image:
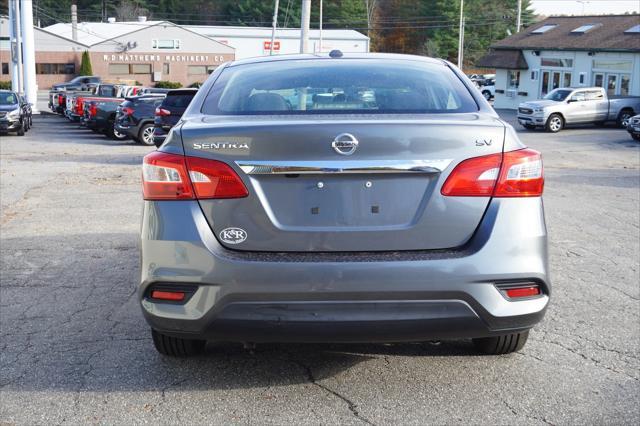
[(85, 65)]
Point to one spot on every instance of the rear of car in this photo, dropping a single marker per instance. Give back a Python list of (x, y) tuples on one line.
[(135, 117), (170, 111), (365, 198)]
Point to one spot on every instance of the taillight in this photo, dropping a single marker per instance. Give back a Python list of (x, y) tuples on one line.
[(93, 109), (176, 177), (79, 106), (127, 111), (172, 296), (520, 290), (161, 112), (511, 174)]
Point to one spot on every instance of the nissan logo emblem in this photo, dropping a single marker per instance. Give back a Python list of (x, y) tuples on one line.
[(345, 144)]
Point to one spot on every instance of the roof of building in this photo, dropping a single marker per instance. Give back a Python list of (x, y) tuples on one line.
[(91, 33), (594, 33), (509, 59), (281, 33)]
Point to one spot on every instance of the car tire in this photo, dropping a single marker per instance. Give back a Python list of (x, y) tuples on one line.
[(486, 94), (112, 133), (175, 346), (623, 118), (636, 137), (555, 123), (20, 131), (145, 135), (500, 345)]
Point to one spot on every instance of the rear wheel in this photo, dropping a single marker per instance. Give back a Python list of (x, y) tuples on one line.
[(555, 123), (175, 346), (624, 117), (145, 135), (112, 133), (636, 136), (499, 345), (20, 131)]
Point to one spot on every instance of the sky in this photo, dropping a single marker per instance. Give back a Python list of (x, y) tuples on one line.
[(591, 7)]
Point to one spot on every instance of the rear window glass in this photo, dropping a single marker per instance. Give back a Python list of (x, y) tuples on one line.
[(179, 100), (342, 86)]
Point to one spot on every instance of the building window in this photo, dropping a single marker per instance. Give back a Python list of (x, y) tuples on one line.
[(5, 68), (612, 65), (167, 44), (165, 68), (196, 69), (625, 83), (55, 68), (513, 79), (534, 75), (115, 69), (140, 69), (582, 78), (566, 79), (556, 62)]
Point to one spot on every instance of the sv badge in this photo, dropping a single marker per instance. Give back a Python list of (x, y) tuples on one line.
[(483, 142)]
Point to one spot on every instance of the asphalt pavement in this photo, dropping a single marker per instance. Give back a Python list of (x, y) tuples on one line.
[(76, 350)]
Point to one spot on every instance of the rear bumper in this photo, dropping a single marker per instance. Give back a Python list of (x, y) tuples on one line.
[(402, 296)]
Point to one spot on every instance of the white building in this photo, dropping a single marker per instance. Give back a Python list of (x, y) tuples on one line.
[(256, 41), (567, 51)]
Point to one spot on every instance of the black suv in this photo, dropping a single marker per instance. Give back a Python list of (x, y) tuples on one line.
[(135, 117), (13, 113), (169, 112)]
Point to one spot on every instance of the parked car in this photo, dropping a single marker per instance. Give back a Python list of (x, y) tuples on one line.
[(565, 106), (28, 112), (74, 107), (151, 90), (99, 114), (82, 82), (12, 113), (412, 216), (489, 90), (135, 117), (634, 127), (169, 112)]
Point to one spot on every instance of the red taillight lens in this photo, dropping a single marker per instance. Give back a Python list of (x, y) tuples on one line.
[(518, 292), (173, 296), (214, 179), (512, 174), (165, 177), (475, 177), (127, 111), (175, 177), (93, 109), (161, 112), (522, 174), (79, 106)]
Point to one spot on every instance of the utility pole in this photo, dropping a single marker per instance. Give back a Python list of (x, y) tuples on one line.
[(274, 23), (320, 37), (519, 19), (305, 18), (28, 55), (15, 47), (74, 21), (18, 50), (461, 36)]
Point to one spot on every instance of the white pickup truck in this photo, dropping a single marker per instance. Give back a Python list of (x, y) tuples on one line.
[(565, 106)]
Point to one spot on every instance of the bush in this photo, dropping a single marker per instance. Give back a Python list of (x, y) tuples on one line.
[(85, 64), (168, 85), (195, 85), (5, 85)]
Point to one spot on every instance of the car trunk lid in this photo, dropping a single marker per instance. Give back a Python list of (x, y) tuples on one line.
[(306, 196)]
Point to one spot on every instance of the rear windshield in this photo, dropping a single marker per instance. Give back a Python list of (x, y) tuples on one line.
[(340, 86), (181, 100)]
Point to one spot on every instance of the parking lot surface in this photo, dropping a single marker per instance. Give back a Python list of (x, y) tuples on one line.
[(75, 348)]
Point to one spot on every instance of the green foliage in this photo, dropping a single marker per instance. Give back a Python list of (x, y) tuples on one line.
[(5, 85), (168, 85), (85, 64)]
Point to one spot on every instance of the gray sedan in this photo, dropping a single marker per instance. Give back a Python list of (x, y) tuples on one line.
[(342, 198)]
